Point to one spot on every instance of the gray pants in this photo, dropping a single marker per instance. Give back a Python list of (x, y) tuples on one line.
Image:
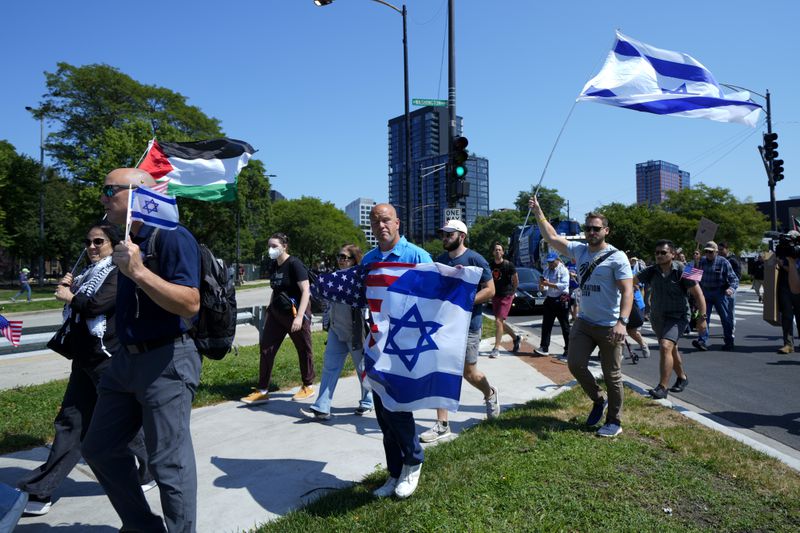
[(583, 339), (153, 390)]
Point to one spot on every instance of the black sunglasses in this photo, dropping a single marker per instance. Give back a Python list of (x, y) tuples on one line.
[(111, 190), (343, 257), (661, 252), (98, 242), (593, 228)]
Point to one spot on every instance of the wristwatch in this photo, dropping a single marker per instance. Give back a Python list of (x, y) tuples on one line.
[(624, 320)]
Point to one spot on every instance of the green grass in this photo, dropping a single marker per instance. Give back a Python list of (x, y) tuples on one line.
[(538, 468), (28, 412)]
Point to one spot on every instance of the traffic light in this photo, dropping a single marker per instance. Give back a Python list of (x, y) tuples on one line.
[(459, 156), (777, 169), (770, 146)]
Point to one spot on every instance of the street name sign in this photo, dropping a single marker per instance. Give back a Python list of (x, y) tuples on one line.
[(429, 101)]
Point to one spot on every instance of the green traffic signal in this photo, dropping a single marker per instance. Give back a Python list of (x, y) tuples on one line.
[(461, 171)]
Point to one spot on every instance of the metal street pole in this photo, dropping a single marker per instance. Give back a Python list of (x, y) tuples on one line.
[(41, 195), (451, 79), (407, 116), (773, 206)]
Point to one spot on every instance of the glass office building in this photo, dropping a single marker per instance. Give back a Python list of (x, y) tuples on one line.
[(655, 178), (429, 153)]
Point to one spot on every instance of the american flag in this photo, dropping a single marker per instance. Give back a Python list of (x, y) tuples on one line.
[(11, 330), (343, 286), (692, 273)]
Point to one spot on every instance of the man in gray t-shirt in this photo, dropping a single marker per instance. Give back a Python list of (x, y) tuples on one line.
[(606, 297)]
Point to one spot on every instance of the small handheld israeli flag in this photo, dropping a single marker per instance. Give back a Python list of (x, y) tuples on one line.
[(153, 208)]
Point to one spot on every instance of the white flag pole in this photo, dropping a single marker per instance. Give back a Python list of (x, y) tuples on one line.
[(128, 216)]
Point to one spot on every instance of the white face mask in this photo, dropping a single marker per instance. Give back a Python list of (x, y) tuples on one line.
[(275, 253)]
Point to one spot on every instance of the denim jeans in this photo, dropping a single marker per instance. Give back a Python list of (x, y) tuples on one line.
[(25, 288), (335, 354), (723, 304)]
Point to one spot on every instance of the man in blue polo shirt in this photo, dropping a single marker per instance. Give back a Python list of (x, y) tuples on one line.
[(404, 454), (152, 380)]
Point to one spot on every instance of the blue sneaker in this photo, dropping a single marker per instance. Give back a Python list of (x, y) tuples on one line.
[(597, 413)]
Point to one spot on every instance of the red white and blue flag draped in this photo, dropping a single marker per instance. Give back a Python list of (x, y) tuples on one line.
[(11, 330), (692, 273), (414, 354)]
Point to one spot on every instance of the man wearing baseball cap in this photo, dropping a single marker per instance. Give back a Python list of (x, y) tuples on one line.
[(554, 280), (454, 233), (719, 283), (25, 285)]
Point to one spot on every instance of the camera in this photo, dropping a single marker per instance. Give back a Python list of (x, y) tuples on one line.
[(788, 245)]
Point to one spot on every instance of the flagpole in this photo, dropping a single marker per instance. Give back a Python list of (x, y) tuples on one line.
[(547, 164), (128, 215), (147, 151)]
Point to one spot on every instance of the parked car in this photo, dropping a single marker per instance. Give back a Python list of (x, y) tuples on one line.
[(528, 300)]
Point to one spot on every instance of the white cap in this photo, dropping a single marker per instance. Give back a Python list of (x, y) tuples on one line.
[(455, 225)]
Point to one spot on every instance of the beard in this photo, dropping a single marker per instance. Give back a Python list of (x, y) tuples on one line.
[(452, 244)]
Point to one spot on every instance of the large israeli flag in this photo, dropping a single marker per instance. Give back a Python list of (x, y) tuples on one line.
[(415, 351), (644, 78)]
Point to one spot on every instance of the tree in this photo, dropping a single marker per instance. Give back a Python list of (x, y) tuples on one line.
[(316, 229), (102, 119), (434, 247), (741, 225), (497, 227), (551, 202), (636, 228)]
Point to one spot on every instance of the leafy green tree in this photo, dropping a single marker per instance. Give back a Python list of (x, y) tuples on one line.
[(316, 229), (551, 202), (741, 225), (7, 156), (102, 119), (434, 247), (497, 227), (21, 183)]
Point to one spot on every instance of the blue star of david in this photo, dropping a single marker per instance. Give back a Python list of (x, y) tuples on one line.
[(150, 206), (679, 90), (412, 319)]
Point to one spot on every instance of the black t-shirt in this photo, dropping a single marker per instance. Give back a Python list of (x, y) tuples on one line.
[(285, 277), (503, 275)]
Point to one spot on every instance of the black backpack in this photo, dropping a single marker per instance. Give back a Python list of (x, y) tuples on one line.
[(215, 328)]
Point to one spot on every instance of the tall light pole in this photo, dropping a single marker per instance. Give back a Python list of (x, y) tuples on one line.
[(41, 192), (407, 166), (238, 225)]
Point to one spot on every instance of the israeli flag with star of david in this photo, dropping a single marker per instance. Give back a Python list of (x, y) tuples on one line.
[(154, 208), (414, 354), (644, 78)]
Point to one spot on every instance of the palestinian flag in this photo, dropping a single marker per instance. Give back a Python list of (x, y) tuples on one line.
[(203, 170)]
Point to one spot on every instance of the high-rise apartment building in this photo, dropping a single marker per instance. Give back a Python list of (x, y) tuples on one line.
[(655, 178), (429, 151), (358, 211)]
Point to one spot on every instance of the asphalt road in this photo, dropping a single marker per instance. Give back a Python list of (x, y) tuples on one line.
[(753, 387)]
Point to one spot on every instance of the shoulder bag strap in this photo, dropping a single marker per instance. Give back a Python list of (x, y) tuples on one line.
[(597, 260)]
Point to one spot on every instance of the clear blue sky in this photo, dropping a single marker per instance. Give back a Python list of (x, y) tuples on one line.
[(312, 88)]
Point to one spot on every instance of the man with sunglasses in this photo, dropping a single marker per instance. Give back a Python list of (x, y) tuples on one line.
[(719, 283), (152, 379), (606, 298), (669, 313)]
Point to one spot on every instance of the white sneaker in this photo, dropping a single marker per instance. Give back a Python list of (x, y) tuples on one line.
[(409, 479), (438, 431), (149, 486), (609, 430), (33, 508), (644, 351), (494, 353), (492, 405), (540, 351), (387, 489)]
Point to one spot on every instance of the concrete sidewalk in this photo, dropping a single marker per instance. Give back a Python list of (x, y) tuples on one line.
[(257, 463)]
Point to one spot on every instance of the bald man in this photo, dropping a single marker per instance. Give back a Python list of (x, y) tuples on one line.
[(404, 454), (152, 380)]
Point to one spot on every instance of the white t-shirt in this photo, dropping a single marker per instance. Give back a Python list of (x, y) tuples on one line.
[(600, 296)]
